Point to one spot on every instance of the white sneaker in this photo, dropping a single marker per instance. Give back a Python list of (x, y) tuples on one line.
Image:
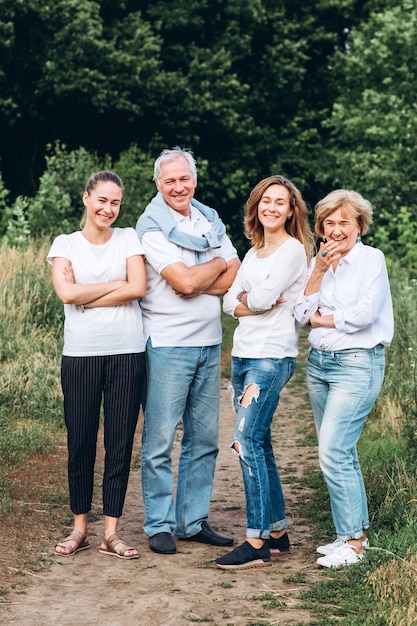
[(338, 543), (346, 554)]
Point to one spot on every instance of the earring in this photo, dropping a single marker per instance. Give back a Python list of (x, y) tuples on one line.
[(359, 239), (324, 239)]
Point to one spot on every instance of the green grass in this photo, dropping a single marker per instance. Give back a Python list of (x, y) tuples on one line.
[(381, 591), (228, 327), (31, 318)]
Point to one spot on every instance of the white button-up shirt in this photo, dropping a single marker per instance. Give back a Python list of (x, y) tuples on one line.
[(358, 296)]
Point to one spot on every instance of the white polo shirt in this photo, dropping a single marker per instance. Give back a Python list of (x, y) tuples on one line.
[(168, 319)]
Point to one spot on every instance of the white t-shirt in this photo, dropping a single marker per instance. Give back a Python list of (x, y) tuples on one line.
[(272, 334), (100, 331), (168, 319), (358, 295)]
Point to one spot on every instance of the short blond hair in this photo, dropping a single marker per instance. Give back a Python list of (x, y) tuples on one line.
[(340, 199)]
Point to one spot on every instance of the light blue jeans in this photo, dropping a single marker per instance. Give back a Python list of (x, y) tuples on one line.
[(265, 509), (343, 387), (183, 384)]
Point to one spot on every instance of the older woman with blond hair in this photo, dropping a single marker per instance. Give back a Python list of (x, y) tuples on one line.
[(347, 303)]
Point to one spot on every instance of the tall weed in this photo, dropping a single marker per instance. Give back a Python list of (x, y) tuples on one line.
[(382, 589), (395, 587), (30, 345), (400, 377)]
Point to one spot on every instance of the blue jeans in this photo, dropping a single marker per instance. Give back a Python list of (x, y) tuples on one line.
[(183, 384), (343, 387), (263, 380)]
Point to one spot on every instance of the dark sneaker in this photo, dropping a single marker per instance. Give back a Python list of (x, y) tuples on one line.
[(208, 535), (280, 545), (245, 557)]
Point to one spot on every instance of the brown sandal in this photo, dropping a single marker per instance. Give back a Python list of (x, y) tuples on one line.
[(81, 543), (114, 546)]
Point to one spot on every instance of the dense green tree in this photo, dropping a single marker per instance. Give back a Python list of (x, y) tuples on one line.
[(253, 86), (246, 84), (68, 74), (374, 124)]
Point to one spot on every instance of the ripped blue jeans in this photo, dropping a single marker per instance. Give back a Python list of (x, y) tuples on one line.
[(257, 384)]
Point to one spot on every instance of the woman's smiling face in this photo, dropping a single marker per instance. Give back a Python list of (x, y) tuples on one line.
[(103, 204), (274, 208), (342, 226)]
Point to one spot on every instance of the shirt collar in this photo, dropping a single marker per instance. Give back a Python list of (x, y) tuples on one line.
[(179, 217), (353, 254)]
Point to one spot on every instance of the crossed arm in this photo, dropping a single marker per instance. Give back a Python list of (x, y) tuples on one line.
[(242, 309), (111, 293), (212, 278)]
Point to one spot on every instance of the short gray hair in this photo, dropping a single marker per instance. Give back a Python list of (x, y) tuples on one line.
[(169, 155)]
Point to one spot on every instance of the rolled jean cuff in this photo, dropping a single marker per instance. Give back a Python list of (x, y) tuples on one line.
[(349, 536), (277, 526), (257, 534)]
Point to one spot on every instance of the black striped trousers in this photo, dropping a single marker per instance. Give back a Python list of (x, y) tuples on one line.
[(86, 381)]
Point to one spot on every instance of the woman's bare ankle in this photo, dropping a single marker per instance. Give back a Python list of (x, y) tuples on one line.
[(255, 542), (276, 534)]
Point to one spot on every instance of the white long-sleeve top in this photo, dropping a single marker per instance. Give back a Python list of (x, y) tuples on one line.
[(272, 334), (358, 296)]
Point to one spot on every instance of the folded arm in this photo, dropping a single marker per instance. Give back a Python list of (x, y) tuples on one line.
[(109, 293), (133, 287), (242, 309), (194, 280), (222, 283), (70, 292)]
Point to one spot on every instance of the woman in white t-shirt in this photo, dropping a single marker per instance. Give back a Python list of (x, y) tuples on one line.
[(99, 274), (264, 350)]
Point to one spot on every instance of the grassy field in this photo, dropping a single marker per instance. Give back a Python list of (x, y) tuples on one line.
[(382, 590)]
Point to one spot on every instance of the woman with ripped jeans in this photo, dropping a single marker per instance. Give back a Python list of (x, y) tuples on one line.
[(264, 350)]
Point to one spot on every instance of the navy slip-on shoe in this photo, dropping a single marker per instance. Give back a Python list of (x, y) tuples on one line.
[(245, 557), (210, 536)]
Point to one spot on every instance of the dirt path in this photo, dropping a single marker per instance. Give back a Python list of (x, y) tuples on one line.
[(158, 590)]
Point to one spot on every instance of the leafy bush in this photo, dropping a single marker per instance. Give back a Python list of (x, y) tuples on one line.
[(136, 170), (17, 229), (57, 206)]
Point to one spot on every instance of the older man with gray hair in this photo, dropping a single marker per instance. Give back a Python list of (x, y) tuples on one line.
[(190, 263)]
